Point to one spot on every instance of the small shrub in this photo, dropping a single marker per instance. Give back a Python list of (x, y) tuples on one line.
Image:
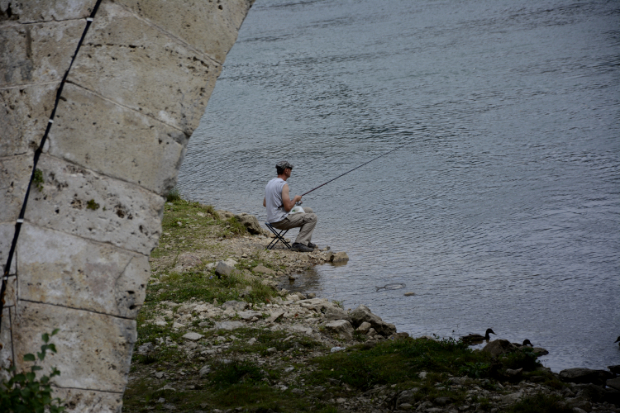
[(92, 205), (173, 195), (236, 372), (37, 179), (24, 392)]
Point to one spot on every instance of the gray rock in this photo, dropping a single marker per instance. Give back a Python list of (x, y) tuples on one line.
[(336, 313), (204, 370), (250, 223), (363, 314), (275, 316), (407, 396), (583, 375), (145, 348), (339, 258), (263, 270), (364, 327), (499, 347), (298, 328), (228, 325), (539, 351), (223, 268), (614, 383), (193, 336), (443, 401), (342, 328), (235, 305), (513, 372)]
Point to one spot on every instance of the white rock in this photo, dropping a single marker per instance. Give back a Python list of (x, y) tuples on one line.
[(193, 336), (204, 370)]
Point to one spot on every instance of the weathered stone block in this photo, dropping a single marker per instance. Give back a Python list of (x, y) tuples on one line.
[(15, 174), (7, 230), (35, 53), (101, 343), (6, 345), (209, 26), (63, 269), (89, 401), (24, 113), (131, 62), (44, 10), (341, 328), (116, 141), (79, 202)]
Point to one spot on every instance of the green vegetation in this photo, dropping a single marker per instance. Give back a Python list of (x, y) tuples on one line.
[(37, 179), (24, 392), (258, 369), (92, 205), (173, 195)]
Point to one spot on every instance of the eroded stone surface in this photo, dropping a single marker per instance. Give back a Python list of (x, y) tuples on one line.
[(44, 10), (15, 174), (36, 53), (25, 132), (89, 401), (131, 62), (6, 348), (7, 230), (63, 269), (82, 203), (102, 344), (210, 26), (116, 141)]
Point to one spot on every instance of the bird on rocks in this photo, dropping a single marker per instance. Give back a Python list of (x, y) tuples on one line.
[(526, 343), (477, 338)]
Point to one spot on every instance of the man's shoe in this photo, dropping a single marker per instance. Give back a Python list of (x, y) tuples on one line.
[(301, 247), (313, 246)]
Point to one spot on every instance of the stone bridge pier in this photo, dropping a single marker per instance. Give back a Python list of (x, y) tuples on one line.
[(134, 95)]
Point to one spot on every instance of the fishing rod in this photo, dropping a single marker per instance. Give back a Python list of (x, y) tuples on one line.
[(357, 167)]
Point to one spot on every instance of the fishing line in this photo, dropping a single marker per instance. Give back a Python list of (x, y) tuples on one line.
[(357, 167)]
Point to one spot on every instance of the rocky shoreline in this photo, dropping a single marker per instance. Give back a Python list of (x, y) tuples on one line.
[(217, 334)]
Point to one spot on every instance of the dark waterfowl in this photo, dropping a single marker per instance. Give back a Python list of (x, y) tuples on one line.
[(477, 338), (526, 343)]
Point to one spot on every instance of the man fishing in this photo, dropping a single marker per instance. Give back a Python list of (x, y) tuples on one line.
[(278, 203)]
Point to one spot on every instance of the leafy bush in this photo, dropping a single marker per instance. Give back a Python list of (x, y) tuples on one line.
[(173, 195), (24, 393)]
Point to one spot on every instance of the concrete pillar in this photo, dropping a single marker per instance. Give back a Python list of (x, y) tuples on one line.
[(135, 94)]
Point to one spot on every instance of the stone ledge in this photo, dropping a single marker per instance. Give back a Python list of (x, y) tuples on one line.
[(35, 101), (81, 274), (103, 345), (120, 213), (39, 52), (115, 141), (131, 62), (47, 10), (15, 175), (89, 401)]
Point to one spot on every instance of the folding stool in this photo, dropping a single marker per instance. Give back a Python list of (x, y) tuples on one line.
[(279, 237)]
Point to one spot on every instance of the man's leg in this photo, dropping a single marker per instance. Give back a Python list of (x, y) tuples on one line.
[(305, 222)]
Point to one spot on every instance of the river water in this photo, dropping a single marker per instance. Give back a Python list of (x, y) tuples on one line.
[(502, 210)]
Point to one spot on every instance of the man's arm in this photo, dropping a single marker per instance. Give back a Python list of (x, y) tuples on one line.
[(265, 202), (287, 202)]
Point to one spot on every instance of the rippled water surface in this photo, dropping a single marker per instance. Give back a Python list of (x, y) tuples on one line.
[(503, 208)]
